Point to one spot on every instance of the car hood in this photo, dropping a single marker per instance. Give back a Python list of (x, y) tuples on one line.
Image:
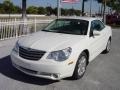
[(49, 41)]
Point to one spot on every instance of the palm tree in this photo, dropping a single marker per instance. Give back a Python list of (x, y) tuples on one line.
[(100, 2), (103, 7), (104, 3)]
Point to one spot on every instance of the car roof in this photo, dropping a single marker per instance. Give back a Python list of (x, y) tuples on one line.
[(81, 18)]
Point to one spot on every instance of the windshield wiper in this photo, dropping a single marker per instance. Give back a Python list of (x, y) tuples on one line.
[(46, 30), (63, 32), (68, 33), (50, 31)]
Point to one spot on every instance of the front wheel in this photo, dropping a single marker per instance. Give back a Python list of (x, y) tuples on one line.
[(108, 47), (80, 66)]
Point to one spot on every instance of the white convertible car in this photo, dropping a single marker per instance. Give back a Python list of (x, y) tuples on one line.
[(63, 49)]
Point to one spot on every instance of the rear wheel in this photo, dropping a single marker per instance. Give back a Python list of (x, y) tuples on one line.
[(80, 66)]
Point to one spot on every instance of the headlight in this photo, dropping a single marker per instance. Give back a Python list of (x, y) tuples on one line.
[(16, 47), (60, 55)]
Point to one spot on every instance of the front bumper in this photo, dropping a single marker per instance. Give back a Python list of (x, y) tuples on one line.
[(42, 68)]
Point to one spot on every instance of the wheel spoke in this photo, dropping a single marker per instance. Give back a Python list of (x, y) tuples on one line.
[(82, 65), (108, 46)]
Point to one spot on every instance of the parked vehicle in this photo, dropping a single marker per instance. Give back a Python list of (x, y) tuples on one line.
[(63, 49), (113, 19)]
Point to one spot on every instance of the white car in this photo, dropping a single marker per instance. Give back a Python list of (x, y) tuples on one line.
[(63, 49)]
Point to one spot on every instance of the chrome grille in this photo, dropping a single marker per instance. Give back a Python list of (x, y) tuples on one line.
[(30, 54)]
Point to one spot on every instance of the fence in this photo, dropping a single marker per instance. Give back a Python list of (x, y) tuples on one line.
[(16, 27)]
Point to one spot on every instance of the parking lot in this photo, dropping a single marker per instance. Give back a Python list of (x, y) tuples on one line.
[(103, 73)]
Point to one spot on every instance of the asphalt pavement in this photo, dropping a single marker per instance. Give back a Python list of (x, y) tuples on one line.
[(103, 73)]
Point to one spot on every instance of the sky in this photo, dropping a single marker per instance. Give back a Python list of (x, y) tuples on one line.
[(53, 3)]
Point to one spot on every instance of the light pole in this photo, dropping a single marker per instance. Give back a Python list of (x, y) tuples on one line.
[(104, 9), (90, 7), (9, 9), (24, 9), (24, 17), (83, 3), (58, 9)]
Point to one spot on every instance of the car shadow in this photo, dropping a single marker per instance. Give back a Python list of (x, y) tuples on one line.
[(8, 70)]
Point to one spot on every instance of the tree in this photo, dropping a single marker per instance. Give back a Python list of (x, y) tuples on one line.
[(104, 3), (49, 10), (114, 4), (2, 11), (17, 9), (32, 10), (41, 10), (77, 12), (55, 11), (7, 6), (64, 12), (71, 11)]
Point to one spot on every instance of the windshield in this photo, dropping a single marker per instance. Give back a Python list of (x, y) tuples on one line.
[(68, 26)]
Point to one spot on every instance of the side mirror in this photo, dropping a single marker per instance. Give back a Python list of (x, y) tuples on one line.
[(96, 33)]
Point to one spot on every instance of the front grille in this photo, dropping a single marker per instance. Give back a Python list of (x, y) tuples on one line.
[(30, 54)]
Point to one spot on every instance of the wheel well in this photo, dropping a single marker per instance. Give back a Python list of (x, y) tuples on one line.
[(88, 55), (110, 38)]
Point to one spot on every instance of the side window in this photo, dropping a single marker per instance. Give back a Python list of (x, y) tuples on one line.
[(96, 25), (99, 25)]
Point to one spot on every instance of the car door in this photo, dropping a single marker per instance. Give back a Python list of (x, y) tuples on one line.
[(102, 30), (96, 41)]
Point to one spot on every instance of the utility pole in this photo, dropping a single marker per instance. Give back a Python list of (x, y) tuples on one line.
[(58, 9), (83, 3)]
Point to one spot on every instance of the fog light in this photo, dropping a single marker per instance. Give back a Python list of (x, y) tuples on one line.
[(55, 75)]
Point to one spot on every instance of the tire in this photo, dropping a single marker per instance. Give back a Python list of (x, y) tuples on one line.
[(107, 50), (80, 67)]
